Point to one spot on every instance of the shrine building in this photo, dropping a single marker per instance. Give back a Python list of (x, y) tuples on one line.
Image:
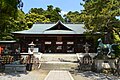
[(55, 38)]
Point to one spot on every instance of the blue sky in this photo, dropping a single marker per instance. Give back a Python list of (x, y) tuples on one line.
[(65, 5)]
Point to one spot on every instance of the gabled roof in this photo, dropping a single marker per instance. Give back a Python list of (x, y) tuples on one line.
[(58, 28)]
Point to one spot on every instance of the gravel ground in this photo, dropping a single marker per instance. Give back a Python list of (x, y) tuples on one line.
[(89, 75), (33, 75), (41, 74)]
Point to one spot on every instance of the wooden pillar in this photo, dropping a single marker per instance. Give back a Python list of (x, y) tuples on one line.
[(20, 43), (65, 46), (42, 46), (52, 44), (75, 44)]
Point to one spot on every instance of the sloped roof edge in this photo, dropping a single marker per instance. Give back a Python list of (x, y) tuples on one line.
[(60, 22), (41, 28)]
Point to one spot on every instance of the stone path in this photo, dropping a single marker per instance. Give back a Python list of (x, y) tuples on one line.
[(59, 75), (41, 75)]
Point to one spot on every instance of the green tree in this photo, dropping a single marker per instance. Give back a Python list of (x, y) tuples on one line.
[(33, 18), (39, 11), (100, 15), (40, 15), (73, 17), (53, 13), (14, 25), (8, 15), (57, 9), (49, 7)]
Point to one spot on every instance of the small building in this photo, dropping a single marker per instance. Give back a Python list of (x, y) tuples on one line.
[(55, 38)]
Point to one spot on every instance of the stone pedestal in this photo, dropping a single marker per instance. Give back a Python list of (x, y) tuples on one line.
[(15, 67), (100, 64)]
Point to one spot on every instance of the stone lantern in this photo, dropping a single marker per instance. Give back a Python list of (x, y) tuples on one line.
[(31, 47)]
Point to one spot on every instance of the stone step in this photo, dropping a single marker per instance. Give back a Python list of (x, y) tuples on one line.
[(58, 61), (59, 57), (58, 65)]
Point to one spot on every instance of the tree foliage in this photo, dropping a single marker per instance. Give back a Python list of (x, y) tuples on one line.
[(36, 11), (40, 15), (73, 17), (32, 17), (10, 18), (100, 16)]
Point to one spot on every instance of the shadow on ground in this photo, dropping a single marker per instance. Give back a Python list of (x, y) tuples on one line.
[(98, 76), (12, 74)]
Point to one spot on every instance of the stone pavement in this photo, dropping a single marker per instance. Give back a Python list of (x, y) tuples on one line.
[(41, 75), (59, 75)]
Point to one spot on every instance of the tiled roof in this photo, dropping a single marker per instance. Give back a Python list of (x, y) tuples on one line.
[(45, 29)]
